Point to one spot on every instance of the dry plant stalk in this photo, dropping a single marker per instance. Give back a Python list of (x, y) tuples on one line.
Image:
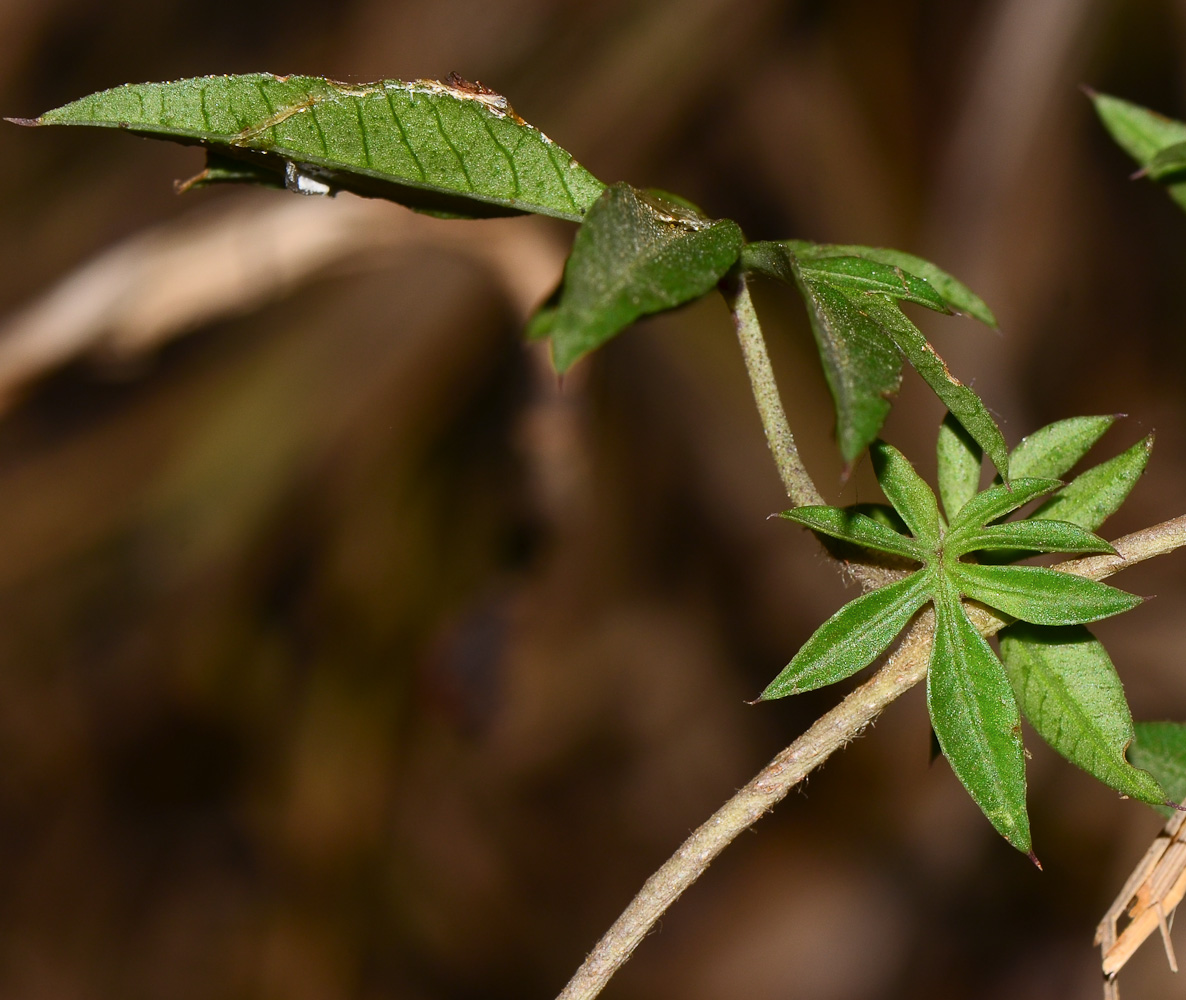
[(1149, 897)]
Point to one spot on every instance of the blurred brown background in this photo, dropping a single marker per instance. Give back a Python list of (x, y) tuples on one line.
[(345, 654)]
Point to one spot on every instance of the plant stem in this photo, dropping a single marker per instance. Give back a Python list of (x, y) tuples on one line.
[(796, 480), (795, 477), (906, 666)]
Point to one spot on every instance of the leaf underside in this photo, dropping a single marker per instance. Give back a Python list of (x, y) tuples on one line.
[(635, 254), (1068, 689), (975, 718), (1052, 451), (446, 148), (852, 638)]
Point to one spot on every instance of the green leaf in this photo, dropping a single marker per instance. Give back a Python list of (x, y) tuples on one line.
[(975, 717), (850, 526), (632, 256), (882, 513), (1160, 749), (448, 148), (956, 295), (1039, 595), (860, 276), (1092, 497), (853, 637), (852, 301), (1030, 536), (543, 319), (1052, 452), (996, 502), (959, 465), (862, 366), (1068, 689), (1141, 133), (1168, 162), (967, 407), (912, 498)]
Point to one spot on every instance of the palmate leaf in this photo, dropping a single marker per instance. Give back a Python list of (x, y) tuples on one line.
[(1144, 135), (636, 253), (975, 717), (1068, 689), (1065, 683), (852, 296), (451, 148)]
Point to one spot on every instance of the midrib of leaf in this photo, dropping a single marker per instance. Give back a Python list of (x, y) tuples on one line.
[(996, 805)]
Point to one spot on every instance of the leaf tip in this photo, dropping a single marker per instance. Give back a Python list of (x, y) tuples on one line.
[(1089, 90), (27, 122), (1034, 858)]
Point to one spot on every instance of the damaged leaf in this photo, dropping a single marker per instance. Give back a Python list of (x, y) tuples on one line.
[(452, 148)]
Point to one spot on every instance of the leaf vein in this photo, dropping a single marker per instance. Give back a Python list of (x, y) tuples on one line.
[(436, 114), (403, 135)]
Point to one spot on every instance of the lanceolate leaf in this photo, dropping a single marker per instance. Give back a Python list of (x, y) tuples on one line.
[(997, 501), (975, 717), (856, 274), (1062, 675), (958, 297), (1142, 134), (1052, 452), (1034, 536), (1160, 749), (1068, 689), (959, 465), (853, 637), (1039, 595), (850, 526), (635, 254), (912, 498), (1091, 498), (449, 148)]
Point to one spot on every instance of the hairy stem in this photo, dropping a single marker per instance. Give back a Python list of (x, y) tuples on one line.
[(906, 666), (796, 480), (791, 470)]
